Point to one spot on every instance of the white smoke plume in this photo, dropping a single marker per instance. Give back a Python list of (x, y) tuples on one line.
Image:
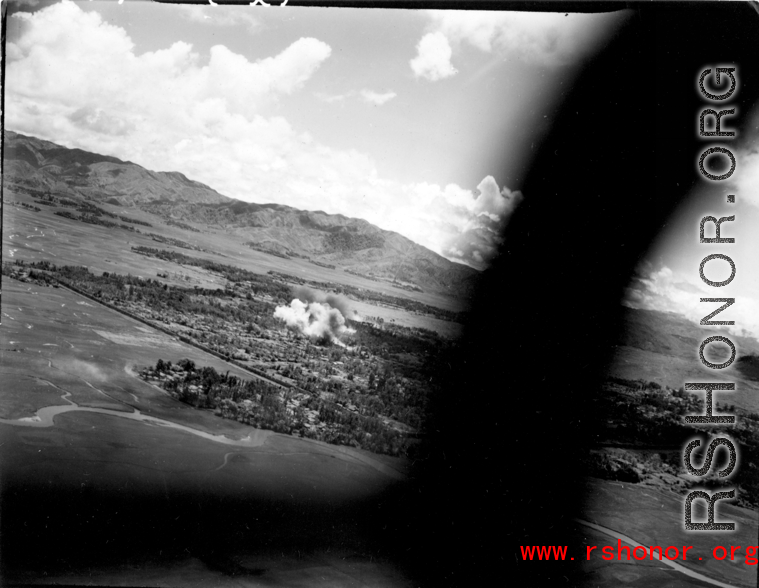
[(306, 294), (313, 319)]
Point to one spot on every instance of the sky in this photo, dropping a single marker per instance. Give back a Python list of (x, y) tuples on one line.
[(421, 122)]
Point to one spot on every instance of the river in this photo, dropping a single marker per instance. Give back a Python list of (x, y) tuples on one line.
[(45, 416)]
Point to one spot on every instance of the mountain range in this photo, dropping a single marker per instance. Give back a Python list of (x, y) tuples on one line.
[(351, 244)]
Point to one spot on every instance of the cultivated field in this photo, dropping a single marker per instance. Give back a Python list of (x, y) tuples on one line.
[(92, 477), (102, 469), (37, 236), (60, 342)]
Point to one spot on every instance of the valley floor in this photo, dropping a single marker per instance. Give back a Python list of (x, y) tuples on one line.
[(94, 491)]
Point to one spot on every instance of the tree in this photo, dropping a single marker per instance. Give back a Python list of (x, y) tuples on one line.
[(187, 365)]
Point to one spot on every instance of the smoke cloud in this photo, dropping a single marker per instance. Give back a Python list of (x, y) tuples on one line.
[(308, 295), (313, 319), (84, 370)]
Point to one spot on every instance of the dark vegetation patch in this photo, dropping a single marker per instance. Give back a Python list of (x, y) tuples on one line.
[(28, 206), (230, 272), (641, 416), (94, 219), (181, 225), (267, 406), (175, 242), (23, 153), (264, 249), (345, 240), (748, 365)]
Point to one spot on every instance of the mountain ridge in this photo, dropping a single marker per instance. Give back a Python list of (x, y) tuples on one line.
[(44, 165), (334, 240)]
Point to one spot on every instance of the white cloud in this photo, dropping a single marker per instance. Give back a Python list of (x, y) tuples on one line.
[(74, 79), (368, 96), (376, 98), (433, 59), (745, 180), (58, 71), (664, 290), (333, 98), (451, 220), (96, 119), (219, 15), (542, 38), (484, 217)]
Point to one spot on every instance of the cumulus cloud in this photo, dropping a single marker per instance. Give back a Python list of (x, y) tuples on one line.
[(665, 290), (377, 98), (65, 58), (461, 224), (542, 38), (77, 80), (96, 119), (485, 217), (433, 58)]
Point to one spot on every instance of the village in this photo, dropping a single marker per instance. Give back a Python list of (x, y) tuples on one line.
[(367, 388)]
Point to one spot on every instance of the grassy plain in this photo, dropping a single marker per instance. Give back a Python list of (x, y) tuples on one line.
[(104, 499), (599, 573), (655, 517), (632, 363), (663, 347), (37, 236), (94, 354), (94, 487), (99, 498)]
